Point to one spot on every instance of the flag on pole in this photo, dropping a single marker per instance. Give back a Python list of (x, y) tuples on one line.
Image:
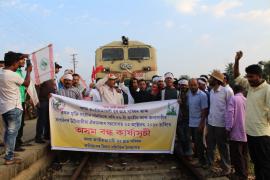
[(43, 64), (93, 76), (95, 71)]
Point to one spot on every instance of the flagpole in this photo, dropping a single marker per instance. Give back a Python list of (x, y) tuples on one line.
[(42, 48)]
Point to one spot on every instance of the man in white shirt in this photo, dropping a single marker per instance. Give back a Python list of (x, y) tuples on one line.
[(219, 98), (107, 91), (10, 101), (226, 84)]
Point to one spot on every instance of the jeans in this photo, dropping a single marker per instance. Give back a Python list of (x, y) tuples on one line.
[(20, 132), (42, 127), (12, 121), (184, 138), (217, 136)]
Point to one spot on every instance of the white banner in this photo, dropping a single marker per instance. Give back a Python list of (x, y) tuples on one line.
[(78, 125), (43, 64)]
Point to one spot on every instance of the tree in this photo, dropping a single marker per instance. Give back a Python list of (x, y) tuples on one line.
[(184, 77), (266, 69), (229, 71)]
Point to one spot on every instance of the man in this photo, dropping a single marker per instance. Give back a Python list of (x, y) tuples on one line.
[(57, 68), (107, 91), (257, 116), (93, 92), (43, 125), (202, 82), (160, 83), (76, 83), (10, 102), (19, 141), (61, 82), (235, 127), (69, 90), (219, 99), (125, 89), (143, 95), (2, 65), (183, 132), (226, 83), (169, 92), (198, 104)]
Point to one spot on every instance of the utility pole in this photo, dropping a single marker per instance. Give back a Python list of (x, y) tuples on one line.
[(74, 62)]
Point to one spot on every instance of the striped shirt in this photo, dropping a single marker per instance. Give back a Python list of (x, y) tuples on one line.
[(72, 92)]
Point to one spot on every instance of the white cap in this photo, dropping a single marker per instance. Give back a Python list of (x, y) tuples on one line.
[(68, 77), (156, 79), (168, 75), (68, 71), (183, 82), (111, 76)]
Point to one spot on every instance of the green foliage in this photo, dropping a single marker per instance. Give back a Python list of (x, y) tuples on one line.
[(266, 70), (229, 71), (184, 77)]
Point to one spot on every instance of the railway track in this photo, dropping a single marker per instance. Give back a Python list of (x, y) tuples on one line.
[(99, 166)]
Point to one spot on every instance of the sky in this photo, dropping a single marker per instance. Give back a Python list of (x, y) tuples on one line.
[(191, 37)]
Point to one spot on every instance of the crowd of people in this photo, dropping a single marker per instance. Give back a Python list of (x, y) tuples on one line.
[(212, 114)]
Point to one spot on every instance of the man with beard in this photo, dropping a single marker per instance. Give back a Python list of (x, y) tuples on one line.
[(219, 99), (169, 92), (69, 90), (183, 132), (108, 93), (257, 116), (19, 141), (143, 95), (198, 104), (76, 83)]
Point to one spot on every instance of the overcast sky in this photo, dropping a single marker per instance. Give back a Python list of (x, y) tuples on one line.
[(191, 36)]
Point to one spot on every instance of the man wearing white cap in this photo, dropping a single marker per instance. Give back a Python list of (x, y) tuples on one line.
[(107, 91), (69, 90), (170, 92), (183, 121)]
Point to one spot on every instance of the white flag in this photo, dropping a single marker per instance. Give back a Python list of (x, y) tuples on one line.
[(43, 64)]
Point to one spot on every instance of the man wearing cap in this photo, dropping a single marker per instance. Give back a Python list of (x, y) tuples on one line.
[(69, 90), (183, 121), (170, 92), (202, 82), (257, 116), (61, 82), (107, 91), (10, 101), (219, 99)]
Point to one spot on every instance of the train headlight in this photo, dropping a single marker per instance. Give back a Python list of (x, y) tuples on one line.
[(106, 69), (148, 68)]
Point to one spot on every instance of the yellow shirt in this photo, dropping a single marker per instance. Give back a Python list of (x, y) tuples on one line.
[(258, 108)]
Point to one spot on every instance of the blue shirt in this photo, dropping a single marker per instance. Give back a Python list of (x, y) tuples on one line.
[(197, 102)]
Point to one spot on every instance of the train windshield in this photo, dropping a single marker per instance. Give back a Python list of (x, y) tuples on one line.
[(138, 53), (111, 54)]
